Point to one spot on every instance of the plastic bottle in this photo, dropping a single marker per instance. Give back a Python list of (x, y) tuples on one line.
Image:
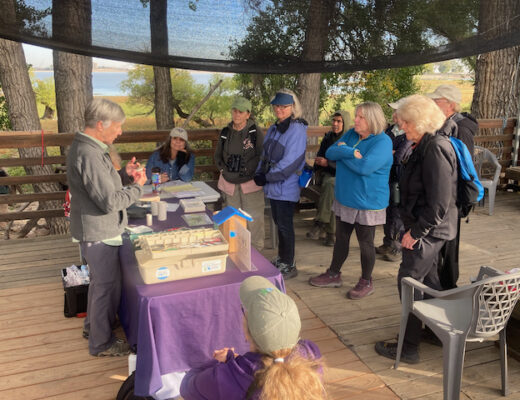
[(85, 280)]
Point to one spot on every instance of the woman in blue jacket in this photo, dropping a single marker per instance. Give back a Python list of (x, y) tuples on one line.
[(281, 163), (363, 158), (174, 159)]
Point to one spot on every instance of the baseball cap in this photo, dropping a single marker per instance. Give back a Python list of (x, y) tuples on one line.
[(395, 105), (241, 104), (272, 316), (180, 133), (282, 99), (448, 92)]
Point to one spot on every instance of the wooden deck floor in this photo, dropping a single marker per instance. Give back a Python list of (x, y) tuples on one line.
[(42, 354)]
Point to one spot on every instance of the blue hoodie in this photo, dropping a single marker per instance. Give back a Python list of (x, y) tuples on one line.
[(284, 148), (362, 183)]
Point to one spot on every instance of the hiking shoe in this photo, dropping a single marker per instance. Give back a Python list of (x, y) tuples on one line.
[(118, 348), (327, 279), (393, 256), (389, 350), (362, 289), (383, 249), (329, 240), (288, 271), (315, 232)]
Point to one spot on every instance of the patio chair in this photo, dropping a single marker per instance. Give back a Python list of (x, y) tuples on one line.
[(483, 156), (474, 312)]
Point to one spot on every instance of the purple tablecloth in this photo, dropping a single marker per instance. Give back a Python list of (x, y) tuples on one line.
[(177, 325)]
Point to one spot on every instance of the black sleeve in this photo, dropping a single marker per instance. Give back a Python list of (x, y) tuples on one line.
[(466, 135)]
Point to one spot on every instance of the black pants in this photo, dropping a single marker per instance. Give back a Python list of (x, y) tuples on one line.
[(393, 228), (282, 212), (448, 265), (420, 264), (365, 235)]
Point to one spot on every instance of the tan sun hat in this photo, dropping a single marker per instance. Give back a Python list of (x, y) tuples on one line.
[(180, 133), (272, 316), (448, 92)]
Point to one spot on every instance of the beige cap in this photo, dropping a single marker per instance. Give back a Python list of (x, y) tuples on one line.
[(272, 316), (448, 92), (180, 133), (395, 105)]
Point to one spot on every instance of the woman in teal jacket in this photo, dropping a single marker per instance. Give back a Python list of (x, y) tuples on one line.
[(363, 158)]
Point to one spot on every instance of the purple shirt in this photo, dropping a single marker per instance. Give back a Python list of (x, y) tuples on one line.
[(231, 379)]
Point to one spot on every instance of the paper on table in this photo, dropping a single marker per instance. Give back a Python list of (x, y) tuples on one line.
[(179, 188), (139, 229), (197, 219)]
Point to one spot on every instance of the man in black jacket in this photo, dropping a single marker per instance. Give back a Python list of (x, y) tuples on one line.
[(325, 220), (448, 99)]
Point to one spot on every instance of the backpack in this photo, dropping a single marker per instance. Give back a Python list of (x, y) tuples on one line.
[(469, 188)]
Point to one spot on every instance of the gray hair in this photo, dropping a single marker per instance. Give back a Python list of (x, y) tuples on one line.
[(103, 110), (374, 116), (422, 112), (296, 107)]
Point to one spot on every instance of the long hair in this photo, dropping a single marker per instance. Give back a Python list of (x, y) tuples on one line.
[(165, 150), (294, 379)]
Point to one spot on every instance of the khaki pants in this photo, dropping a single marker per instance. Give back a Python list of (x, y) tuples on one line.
[(324, 212), (253, 204)]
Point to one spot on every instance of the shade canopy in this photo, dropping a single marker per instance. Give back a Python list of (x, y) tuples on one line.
[(255, 36)]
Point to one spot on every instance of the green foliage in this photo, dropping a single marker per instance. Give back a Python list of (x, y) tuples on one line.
[(45, 92), (5, 123), (186, 93), (384, 86)]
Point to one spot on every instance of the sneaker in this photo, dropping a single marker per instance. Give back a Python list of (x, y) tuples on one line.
[(288, 271), (389, 350), (315, 232), (276, 261), (383, 249), (118, 348), (329, 240), (393, 256), (326, 279), (362, 289)]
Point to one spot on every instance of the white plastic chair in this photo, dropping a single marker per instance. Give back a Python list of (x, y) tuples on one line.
[(475, 312), (483, 156)]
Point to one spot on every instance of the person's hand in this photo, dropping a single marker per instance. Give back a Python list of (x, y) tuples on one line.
[(140, 177), (260, 179), (357, 154), (132, 167), (408, 241), (221, 355), (321, 161), (164, 177)]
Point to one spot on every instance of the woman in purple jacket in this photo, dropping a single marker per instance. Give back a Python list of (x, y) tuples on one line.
[(272, 327), (281, 164)]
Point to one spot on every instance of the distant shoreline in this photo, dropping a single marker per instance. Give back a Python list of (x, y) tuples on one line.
[(94, 70)]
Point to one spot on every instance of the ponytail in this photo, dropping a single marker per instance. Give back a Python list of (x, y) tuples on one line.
[(287, 375)]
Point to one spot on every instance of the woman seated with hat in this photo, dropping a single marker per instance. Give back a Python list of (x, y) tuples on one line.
[(173, 159)]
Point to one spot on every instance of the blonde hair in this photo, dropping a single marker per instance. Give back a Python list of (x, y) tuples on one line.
[(294, 379), (422, 112), (103, 110), (374, 116), (296, 107)]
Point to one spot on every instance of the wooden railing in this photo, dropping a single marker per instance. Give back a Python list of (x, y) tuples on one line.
[(501, 144)]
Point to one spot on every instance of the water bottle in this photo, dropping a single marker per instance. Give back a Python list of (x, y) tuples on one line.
[(85, 280)]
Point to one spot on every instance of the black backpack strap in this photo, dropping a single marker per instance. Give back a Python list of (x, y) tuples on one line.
[(252, 134)]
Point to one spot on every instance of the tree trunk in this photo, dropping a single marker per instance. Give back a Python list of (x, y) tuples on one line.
[(23, 115), (72, 72), (163, 83), (497, 80), (316, 36), (48, 113)]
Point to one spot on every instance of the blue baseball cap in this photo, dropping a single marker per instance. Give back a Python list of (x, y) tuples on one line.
[(282, 99)]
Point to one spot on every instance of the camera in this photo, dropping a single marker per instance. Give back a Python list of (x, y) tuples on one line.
[(233, 162)]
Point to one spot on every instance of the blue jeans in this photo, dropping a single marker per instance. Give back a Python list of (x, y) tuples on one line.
[(282, 212)]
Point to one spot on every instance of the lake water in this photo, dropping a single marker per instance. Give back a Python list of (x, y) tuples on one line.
[(108, 83)]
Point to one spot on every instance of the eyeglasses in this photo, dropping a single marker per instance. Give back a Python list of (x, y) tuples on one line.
[(281, 106)]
